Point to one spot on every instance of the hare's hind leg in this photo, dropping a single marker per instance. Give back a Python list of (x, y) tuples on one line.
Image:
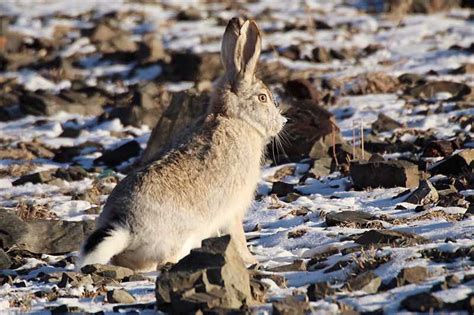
[(236, 231), (103, 244), (135, 261)]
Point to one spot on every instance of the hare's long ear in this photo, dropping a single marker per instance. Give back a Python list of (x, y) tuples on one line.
[(250, 50), (231, 58)]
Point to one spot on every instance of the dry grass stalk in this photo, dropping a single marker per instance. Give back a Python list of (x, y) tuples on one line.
[(333, 140), (362, 138), (354, 157)]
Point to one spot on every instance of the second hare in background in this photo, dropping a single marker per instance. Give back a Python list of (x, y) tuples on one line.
[(202, 186)]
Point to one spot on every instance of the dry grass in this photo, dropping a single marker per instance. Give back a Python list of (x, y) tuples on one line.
[(297, 233), (17, 170), (34, 211), (23, 303), (275, 203), (436, 214), (368, 260)]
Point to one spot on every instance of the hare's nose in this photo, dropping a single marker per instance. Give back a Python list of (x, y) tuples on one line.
[(283, 120)]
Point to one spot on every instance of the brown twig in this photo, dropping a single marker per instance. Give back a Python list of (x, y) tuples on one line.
[(333, 139)]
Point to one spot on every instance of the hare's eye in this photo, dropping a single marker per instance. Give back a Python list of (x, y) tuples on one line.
[(262, 98)]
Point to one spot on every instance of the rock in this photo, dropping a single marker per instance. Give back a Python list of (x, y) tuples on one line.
[(151, 48), (438, 148), (281, 173), (422, 302), (282, 189), (297, 265), (446, 257), (458, 91), (389, 237), (35, 178), (189, 14), (102, 32), (404, 7), (291, 52), (302, 89), (66, 154), (38, 149), (108, 271), (13, 41), (72, 173), (43, 236), (147, 105), (43, 103), (57, 237), (186, 66), (13, 229), (457, 164), (425, 194), (121, 43), (70, 132), (360, 218), (412, 275), (133, 308), (464, 69), (91, 195), (211, 276), (321, 167), (74, 279), (15, 61), (411, 79), (281, 281), (258, 289), (111, 40), (341, 264), (321, 54), (64, 309), (309, 130), (368, 282), (5, 261), (376, 158), (342, 154), (385, 123), (290, 305), (187, 111), (120, 154), (320, 290), (372, 83), (450, 281), (135, 277), (384, 174), (120, 296)]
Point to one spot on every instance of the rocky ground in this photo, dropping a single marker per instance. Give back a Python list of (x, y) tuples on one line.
[(365, 203)]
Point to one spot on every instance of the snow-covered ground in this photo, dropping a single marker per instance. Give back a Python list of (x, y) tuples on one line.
[(417, 44)]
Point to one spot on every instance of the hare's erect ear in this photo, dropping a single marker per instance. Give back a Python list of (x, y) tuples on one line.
[(241, 46), (230, 57), (250, 50)]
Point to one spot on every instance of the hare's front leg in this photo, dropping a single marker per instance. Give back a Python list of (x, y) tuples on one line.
[(236, 231)]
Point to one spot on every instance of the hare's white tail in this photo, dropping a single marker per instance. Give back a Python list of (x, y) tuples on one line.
[(102, 245)]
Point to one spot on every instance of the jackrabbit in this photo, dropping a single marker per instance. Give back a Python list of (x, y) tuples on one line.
[(204, 185)]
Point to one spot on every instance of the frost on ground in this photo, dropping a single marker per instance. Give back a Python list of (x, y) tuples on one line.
[(82, 85)]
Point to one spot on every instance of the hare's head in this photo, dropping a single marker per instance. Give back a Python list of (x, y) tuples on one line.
[(239, 94)]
